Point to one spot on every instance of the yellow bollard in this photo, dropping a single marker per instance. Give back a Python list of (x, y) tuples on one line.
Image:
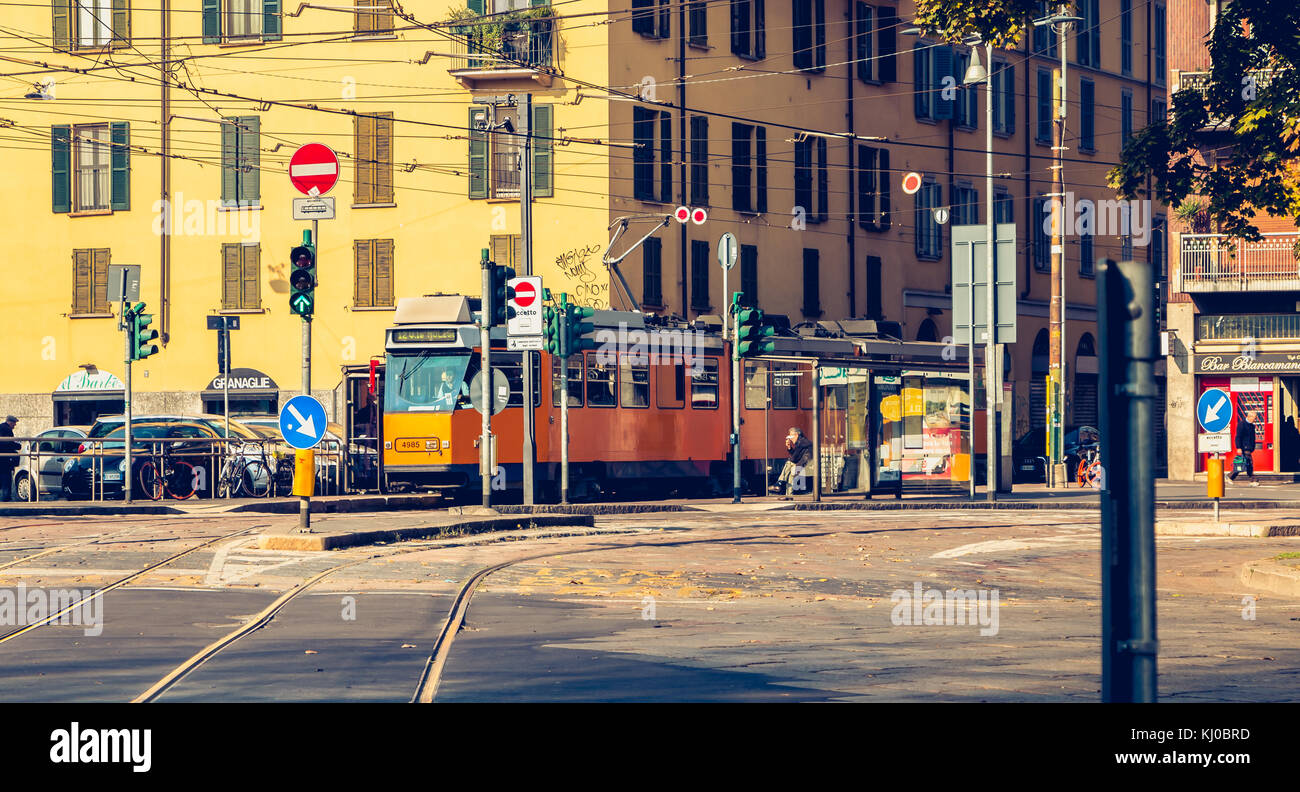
[(304, 472), (1214, 477)]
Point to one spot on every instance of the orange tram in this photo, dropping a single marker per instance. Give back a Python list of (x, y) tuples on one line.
[(650, 408)]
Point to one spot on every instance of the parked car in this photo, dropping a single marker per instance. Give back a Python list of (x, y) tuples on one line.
[(1029, 457), (53, 447)]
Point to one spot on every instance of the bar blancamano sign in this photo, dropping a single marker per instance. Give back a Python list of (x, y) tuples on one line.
[(1264, 363)]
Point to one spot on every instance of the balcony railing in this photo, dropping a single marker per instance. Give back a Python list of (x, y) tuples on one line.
[(521, 44), (1200, 81), (1219, 263), (1234, 327)]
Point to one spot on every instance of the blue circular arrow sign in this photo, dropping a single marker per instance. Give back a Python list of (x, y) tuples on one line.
[(302, 422), (1214, 410)]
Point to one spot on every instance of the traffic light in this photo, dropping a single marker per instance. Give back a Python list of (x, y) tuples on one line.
[(137, 325), (578, 330), (752, 334), (501, 294), (302, 279), (552, 324)]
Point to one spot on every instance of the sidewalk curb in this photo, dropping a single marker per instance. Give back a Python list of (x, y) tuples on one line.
[(1271, 576), (336, 541), (1188, 528)]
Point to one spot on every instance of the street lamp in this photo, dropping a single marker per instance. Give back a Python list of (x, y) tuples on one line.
[(40, 90)]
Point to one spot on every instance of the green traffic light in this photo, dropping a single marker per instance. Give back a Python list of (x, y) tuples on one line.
[(302, 280), (140, 335)]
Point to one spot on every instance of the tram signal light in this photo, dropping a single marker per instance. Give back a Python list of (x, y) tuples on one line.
[(500, 312), (753, 334), (578, 330), (302, 280), (137, 326), (552, 321)]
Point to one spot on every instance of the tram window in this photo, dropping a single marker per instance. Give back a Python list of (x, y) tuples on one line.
[(511, 365), (634, 382), (704, 384), (575, 382), (600, 382), (670, 385), (755, 386), (785, 390)]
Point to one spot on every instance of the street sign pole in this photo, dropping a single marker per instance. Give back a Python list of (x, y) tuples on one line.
[(735, 406), (485, 369), (225, 374), (126, 404), (304, 501), (526, 239), (564, 398)]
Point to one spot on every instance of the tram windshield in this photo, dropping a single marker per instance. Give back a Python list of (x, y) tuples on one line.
[(425, 382)]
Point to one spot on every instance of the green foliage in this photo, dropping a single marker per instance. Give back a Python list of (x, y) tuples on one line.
[(998, 22), (489, 34)]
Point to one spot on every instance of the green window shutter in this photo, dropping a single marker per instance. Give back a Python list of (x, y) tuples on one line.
[(250, 282), (383, 272), (120, 157), (81, 281), (61, 11), (475, 6), (99, 282), (542, 129), (121, 24), (383, 181), (361, 284), (250, 160), (270, 20), (61, 168), (211, 21), (230, 277), (229, 165), (478, 152)]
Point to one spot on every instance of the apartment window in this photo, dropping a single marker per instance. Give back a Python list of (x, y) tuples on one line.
[(1045, 37), (1087, 116), (930, 65), (1086, 256), (965, 205), (875, 43), (372, 286), (652, 285), (1126, 239), (93, 169), (652, 175), (240, 161), (699, 275), (1126, 37), (748, 168), (374, 22), (494, 152), (929, 234), (698, 19), (1041, 229), (241, 20), (1159, 112), (809, 31), (812, 303), (699, 160), (649, 23), (864, 20), (1157, 248), (747, 29), (1125, 116), (875, 309), (90, 167), (91, 24), (90, 281), (1089, 38), (810, 158), (873, 188), (374, 159), (1044, 126), (241, 283), (1004, 99), (1160, 64), (966, 108), (1004, 207), (507, 249), (749, 275)]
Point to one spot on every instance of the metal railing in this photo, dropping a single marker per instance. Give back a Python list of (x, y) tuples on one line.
[(1200, 80), (1216, 262), (102, 459), (1234, 327), (521, 40)]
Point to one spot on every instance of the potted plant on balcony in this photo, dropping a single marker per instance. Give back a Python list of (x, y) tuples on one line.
[(517, 35)]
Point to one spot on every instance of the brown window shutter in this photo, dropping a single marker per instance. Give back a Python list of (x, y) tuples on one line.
[(365, 19), (361, 289), (81, 277), (100, 283), (384, 272), (383, 185), (229, 277), (364, 159), (501, 249), (516, 251), (251, 297)]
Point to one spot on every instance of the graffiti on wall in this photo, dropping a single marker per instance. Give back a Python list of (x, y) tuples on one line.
[(586, 285)]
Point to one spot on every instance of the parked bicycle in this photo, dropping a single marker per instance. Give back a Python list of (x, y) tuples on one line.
[(246, 473), (163, 475), (1090, 472)]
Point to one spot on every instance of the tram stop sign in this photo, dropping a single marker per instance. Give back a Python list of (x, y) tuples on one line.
[(500, 391)]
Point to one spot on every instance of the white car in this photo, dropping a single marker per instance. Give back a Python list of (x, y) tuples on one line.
[(53, 448)]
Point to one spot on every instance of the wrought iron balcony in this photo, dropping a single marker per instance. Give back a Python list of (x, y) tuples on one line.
[(1219, 263), (1200, 81), (515, 48)]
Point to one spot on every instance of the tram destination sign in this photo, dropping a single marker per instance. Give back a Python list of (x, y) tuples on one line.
[(1261, 363)]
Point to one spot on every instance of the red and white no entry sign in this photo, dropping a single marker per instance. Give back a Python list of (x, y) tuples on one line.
[(525, 294), (682, 214), (314, 169), (911, 183)]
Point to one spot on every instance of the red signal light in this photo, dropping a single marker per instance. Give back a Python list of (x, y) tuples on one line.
[(698, 216), (682, 214)]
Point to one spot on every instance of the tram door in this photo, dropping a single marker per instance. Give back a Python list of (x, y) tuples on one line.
[(845, 444), (365, 400)]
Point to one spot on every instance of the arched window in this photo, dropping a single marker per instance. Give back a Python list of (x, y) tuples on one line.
[(928, 331), (1085, 382), (1040, 367)]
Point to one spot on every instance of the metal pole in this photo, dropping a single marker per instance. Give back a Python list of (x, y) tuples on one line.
[(564, 398), (304, 502), (817, 433), (526, 239), (1057, 308), (970, 373), (991, 388), (1126, 323), (485, 374), (735, 407), (225, 372), (126, 404)]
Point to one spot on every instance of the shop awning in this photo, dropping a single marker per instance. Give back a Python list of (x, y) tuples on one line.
[(245, 383)]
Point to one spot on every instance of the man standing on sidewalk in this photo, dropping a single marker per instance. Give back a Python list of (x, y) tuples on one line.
[(1245, 441), (8, 458)]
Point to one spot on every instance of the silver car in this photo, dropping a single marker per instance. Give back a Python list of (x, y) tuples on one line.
[(53, 448)]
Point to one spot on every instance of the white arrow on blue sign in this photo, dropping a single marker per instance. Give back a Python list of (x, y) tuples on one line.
[(302, 422), (1214, 410)]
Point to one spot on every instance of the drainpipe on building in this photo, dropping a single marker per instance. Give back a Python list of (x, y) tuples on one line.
[(851, 236), (165, 161), (1028, 169), (681, 148)]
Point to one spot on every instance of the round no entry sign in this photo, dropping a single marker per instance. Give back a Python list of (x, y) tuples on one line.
[(314, 169), (525, 294), (912, 183)]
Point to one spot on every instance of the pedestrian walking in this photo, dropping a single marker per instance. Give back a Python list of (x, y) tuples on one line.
[(8, 458), (1245, 442), (799, 454)]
